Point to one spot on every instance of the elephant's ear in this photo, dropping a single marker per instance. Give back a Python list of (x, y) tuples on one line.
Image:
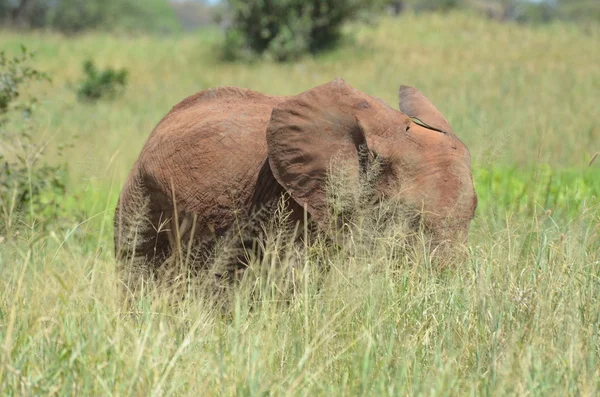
[(307, 132), (415, 105)]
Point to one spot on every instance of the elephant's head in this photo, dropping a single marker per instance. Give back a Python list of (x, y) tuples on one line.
[(423, 164)]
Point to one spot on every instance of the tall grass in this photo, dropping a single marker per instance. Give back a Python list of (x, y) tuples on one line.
[(519, 316)]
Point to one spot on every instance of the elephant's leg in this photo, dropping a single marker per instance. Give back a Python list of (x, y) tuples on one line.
[(140, 247), (141, 241), (180, 235), (272, 220)]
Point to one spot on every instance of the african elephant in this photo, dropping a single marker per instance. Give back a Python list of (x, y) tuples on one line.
[(225, 153)]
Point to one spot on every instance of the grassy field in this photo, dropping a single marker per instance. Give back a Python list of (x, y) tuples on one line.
[(519, 317)]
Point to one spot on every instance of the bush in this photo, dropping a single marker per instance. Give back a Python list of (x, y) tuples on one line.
[(285, 29), (72, 16), (435, 5), (536, 13), (30, 187), (579, 10), (96, 85), (27, 183), (14, 74)]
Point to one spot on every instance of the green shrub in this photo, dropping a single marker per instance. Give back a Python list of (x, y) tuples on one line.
[(72, 16), (105, 84), (579, 10), (77, 15), (285, 29), (435, 5), (15, 73), (28, 184), (536, 13)]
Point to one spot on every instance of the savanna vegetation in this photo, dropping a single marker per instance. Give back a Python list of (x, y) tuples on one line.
[(76, 16), (519, 316)]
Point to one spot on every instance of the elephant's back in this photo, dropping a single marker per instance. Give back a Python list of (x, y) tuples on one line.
[(214, 111), (207, 152)]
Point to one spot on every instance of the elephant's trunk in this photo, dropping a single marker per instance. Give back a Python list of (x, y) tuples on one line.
[(444, 198)]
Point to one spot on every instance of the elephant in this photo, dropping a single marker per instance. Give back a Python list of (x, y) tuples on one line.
[(225, 153)]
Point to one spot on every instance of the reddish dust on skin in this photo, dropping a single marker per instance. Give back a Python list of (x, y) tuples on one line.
[(223, 152)]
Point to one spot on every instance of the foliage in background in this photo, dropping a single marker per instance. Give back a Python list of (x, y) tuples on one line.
[(197, 14), (161, 16), (28, 184), (285, 29), (579, 10), (72, 16), (13, 75), (518, 10), (525, 11), (104, 84), (433, 5)]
